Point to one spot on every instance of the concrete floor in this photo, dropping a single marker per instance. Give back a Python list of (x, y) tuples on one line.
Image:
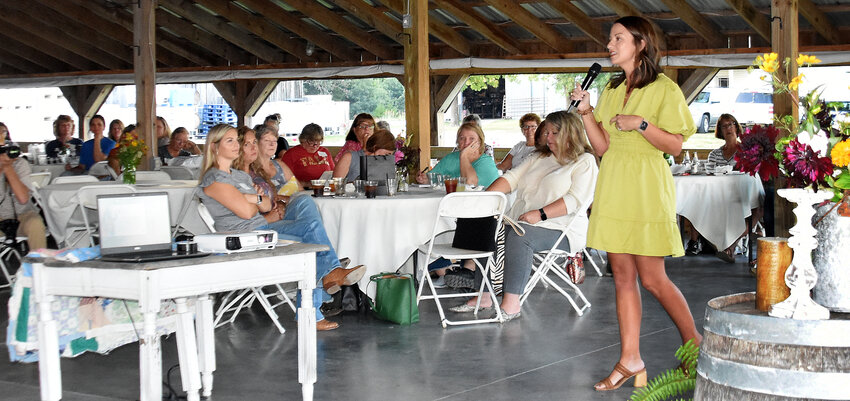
[(549, 353)]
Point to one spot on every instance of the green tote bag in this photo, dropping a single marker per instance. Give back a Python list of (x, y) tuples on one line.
[(395, 298)]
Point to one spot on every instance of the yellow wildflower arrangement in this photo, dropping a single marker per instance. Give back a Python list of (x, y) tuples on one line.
[(131, 150)]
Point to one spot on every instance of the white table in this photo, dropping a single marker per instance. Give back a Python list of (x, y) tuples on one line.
[(55, 170), (718, 206), (383, 232), (61, 205), (151, 283)]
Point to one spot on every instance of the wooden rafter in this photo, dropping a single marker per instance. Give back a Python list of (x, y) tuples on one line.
[(19, 63), (258, 26), (480, 24), (819, 21), (54, 49), (448, 90), (624, 8), (439, 30), (105, 25), (258, 94), (278, 15), (373, 17), (344, 28), (758, 21), (32, 55), (202, 38), (697, 81), (590, 28), (37, 27), (700, 24), (529, 22), (220, 27)]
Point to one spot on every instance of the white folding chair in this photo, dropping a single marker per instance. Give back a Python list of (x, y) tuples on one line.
[(148, 176), (7, 254), (234, 301), (463, 205), (592, 262), (546, 265), (87, 200), (39, 180), (179, 172), (65, 179), (101, 169)]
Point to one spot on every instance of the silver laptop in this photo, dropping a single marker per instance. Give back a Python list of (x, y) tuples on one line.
[(136, 228)]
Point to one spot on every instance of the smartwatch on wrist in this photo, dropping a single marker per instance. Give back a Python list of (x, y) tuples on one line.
[(644, 125), (542, 215), (259, 199)]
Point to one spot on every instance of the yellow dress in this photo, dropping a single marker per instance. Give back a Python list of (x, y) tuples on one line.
[(634, 206)]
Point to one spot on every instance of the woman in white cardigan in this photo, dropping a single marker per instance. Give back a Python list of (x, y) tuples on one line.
[(554, 188)]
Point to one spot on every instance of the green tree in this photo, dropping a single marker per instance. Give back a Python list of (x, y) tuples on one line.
[(377, 96), (561, 81), (481, 82)]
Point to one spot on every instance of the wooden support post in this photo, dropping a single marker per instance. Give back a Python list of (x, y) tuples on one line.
[(245, 96), (144, 68), (694, 84), (784, 32), (417, 99), (86, 101)]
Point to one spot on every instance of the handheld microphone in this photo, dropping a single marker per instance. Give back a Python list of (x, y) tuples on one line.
[(588, 80)]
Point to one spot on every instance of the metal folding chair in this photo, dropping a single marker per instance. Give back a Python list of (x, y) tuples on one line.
[(40, 180), (148, 176), (7, 254), (547, 265), (64, 179), (463, 205), (234, 301), (179, 172)]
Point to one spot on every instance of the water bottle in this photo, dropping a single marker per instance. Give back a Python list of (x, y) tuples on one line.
[(686, 161), (695, 164)]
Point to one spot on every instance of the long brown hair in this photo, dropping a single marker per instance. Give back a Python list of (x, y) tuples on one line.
[(646, 61), (357, 120), (571, 140)]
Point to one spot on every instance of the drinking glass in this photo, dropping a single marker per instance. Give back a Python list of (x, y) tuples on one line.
[(432, 179), (440, 181), (461, 184), (371, 187), (360, 187), (339, 184), (709, 168), (392, 185), (318, 187), (451, 184)]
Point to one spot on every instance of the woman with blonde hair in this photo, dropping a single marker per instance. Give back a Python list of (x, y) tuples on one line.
[(236, 204), (469, 161), (554, 188)]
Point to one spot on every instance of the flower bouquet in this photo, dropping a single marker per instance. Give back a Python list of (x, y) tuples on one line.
[(131, 150), (406, 156)]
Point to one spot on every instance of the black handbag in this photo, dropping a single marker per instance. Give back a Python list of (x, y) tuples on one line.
[(378, 168), (477, 234)]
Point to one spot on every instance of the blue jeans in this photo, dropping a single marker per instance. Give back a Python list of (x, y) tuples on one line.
[(303, 223)]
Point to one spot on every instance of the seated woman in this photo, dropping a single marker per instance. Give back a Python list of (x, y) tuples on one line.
[(309, 159), (379, 144), (528, 124), (179, 145), (266, 166), (235, 204), (15, 197), (112, 159), (361, 129), (553, 189), (469, 161), (115, 129), (96, 149)]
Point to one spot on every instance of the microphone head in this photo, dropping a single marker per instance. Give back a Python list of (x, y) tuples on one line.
[(594, 69)]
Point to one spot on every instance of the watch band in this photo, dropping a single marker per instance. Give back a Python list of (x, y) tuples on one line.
[(542, 215), (644, 125)]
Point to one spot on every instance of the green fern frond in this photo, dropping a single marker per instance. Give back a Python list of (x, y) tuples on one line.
[(672, 382)]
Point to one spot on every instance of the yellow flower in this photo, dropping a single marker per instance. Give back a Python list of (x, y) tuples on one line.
[(134, 143), (795, 82), (841, 153), (804, 59), (768, 62)]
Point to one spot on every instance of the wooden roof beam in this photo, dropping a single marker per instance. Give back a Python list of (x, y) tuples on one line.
[(624, 8), (46, 46), (529, 22), (200, 37), (581, 20), (32, 55), (700, 24), (819, 21), (259, 25), (86, 100), (220, 27), (21, 64), (373, 17), (758, 21), (696, 82), (257, 95), (447, 91), (480, 24), (273, 12), (439, 30), (73, 47), (108, 26), (344, 28)]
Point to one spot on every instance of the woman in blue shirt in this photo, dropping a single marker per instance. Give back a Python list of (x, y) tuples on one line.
[(469, 161)]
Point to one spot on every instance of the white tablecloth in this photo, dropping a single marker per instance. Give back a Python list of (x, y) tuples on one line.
[(717, 206), (61, 205), (55, 169), (381, 233)]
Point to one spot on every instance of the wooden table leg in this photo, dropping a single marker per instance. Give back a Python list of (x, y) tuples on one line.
[(150, 356), (50, 375), (187, 351), (206, 342), (307, 332)]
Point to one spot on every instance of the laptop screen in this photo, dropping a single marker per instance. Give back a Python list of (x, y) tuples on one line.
[(131, 223)]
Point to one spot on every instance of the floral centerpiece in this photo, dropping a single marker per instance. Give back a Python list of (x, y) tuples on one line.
[(131, 150), (406, 156)]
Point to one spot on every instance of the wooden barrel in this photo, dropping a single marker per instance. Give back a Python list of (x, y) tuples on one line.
[(774, 257), (748, 355)]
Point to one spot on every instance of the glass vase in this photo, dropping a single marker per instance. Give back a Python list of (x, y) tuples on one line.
[(129, 175)]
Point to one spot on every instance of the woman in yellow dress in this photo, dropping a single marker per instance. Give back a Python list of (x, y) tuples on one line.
[(640, 115)]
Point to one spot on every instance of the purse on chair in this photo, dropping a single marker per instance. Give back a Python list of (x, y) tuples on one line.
[(575, 268), (395, 298)]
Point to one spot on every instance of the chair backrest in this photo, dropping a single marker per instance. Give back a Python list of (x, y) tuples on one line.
[(472, 204), (39, 180), (206, 217), (87, 195), (147, 176), (100, 169), (179, 172), (74, 178)]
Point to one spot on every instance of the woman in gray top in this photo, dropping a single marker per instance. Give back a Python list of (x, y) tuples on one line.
[(236, 205), (15, 197)]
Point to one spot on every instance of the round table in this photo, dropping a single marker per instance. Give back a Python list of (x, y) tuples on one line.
[(383, 232), (61, 209), (718, 205)]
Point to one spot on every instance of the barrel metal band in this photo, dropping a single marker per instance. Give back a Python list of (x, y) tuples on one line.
[(788, 383), (816, 333)]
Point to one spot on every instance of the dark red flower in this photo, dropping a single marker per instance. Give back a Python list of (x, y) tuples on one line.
[(756, 153), (805, 166)]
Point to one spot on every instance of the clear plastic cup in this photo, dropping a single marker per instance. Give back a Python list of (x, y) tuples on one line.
[(392, 185), (318, 187), (360, 187), (451, 184), (371, 188), (461, 184)]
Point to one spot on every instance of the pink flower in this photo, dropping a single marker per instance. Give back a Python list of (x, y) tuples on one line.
[(756, 152), (805, 166)]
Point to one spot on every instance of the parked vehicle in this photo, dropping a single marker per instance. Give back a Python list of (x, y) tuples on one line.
[(753, 107), (708, 106), (839, 109)]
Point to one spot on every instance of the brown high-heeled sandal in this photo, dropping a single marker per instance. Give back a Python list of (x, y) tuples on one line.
[(606, 385)]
